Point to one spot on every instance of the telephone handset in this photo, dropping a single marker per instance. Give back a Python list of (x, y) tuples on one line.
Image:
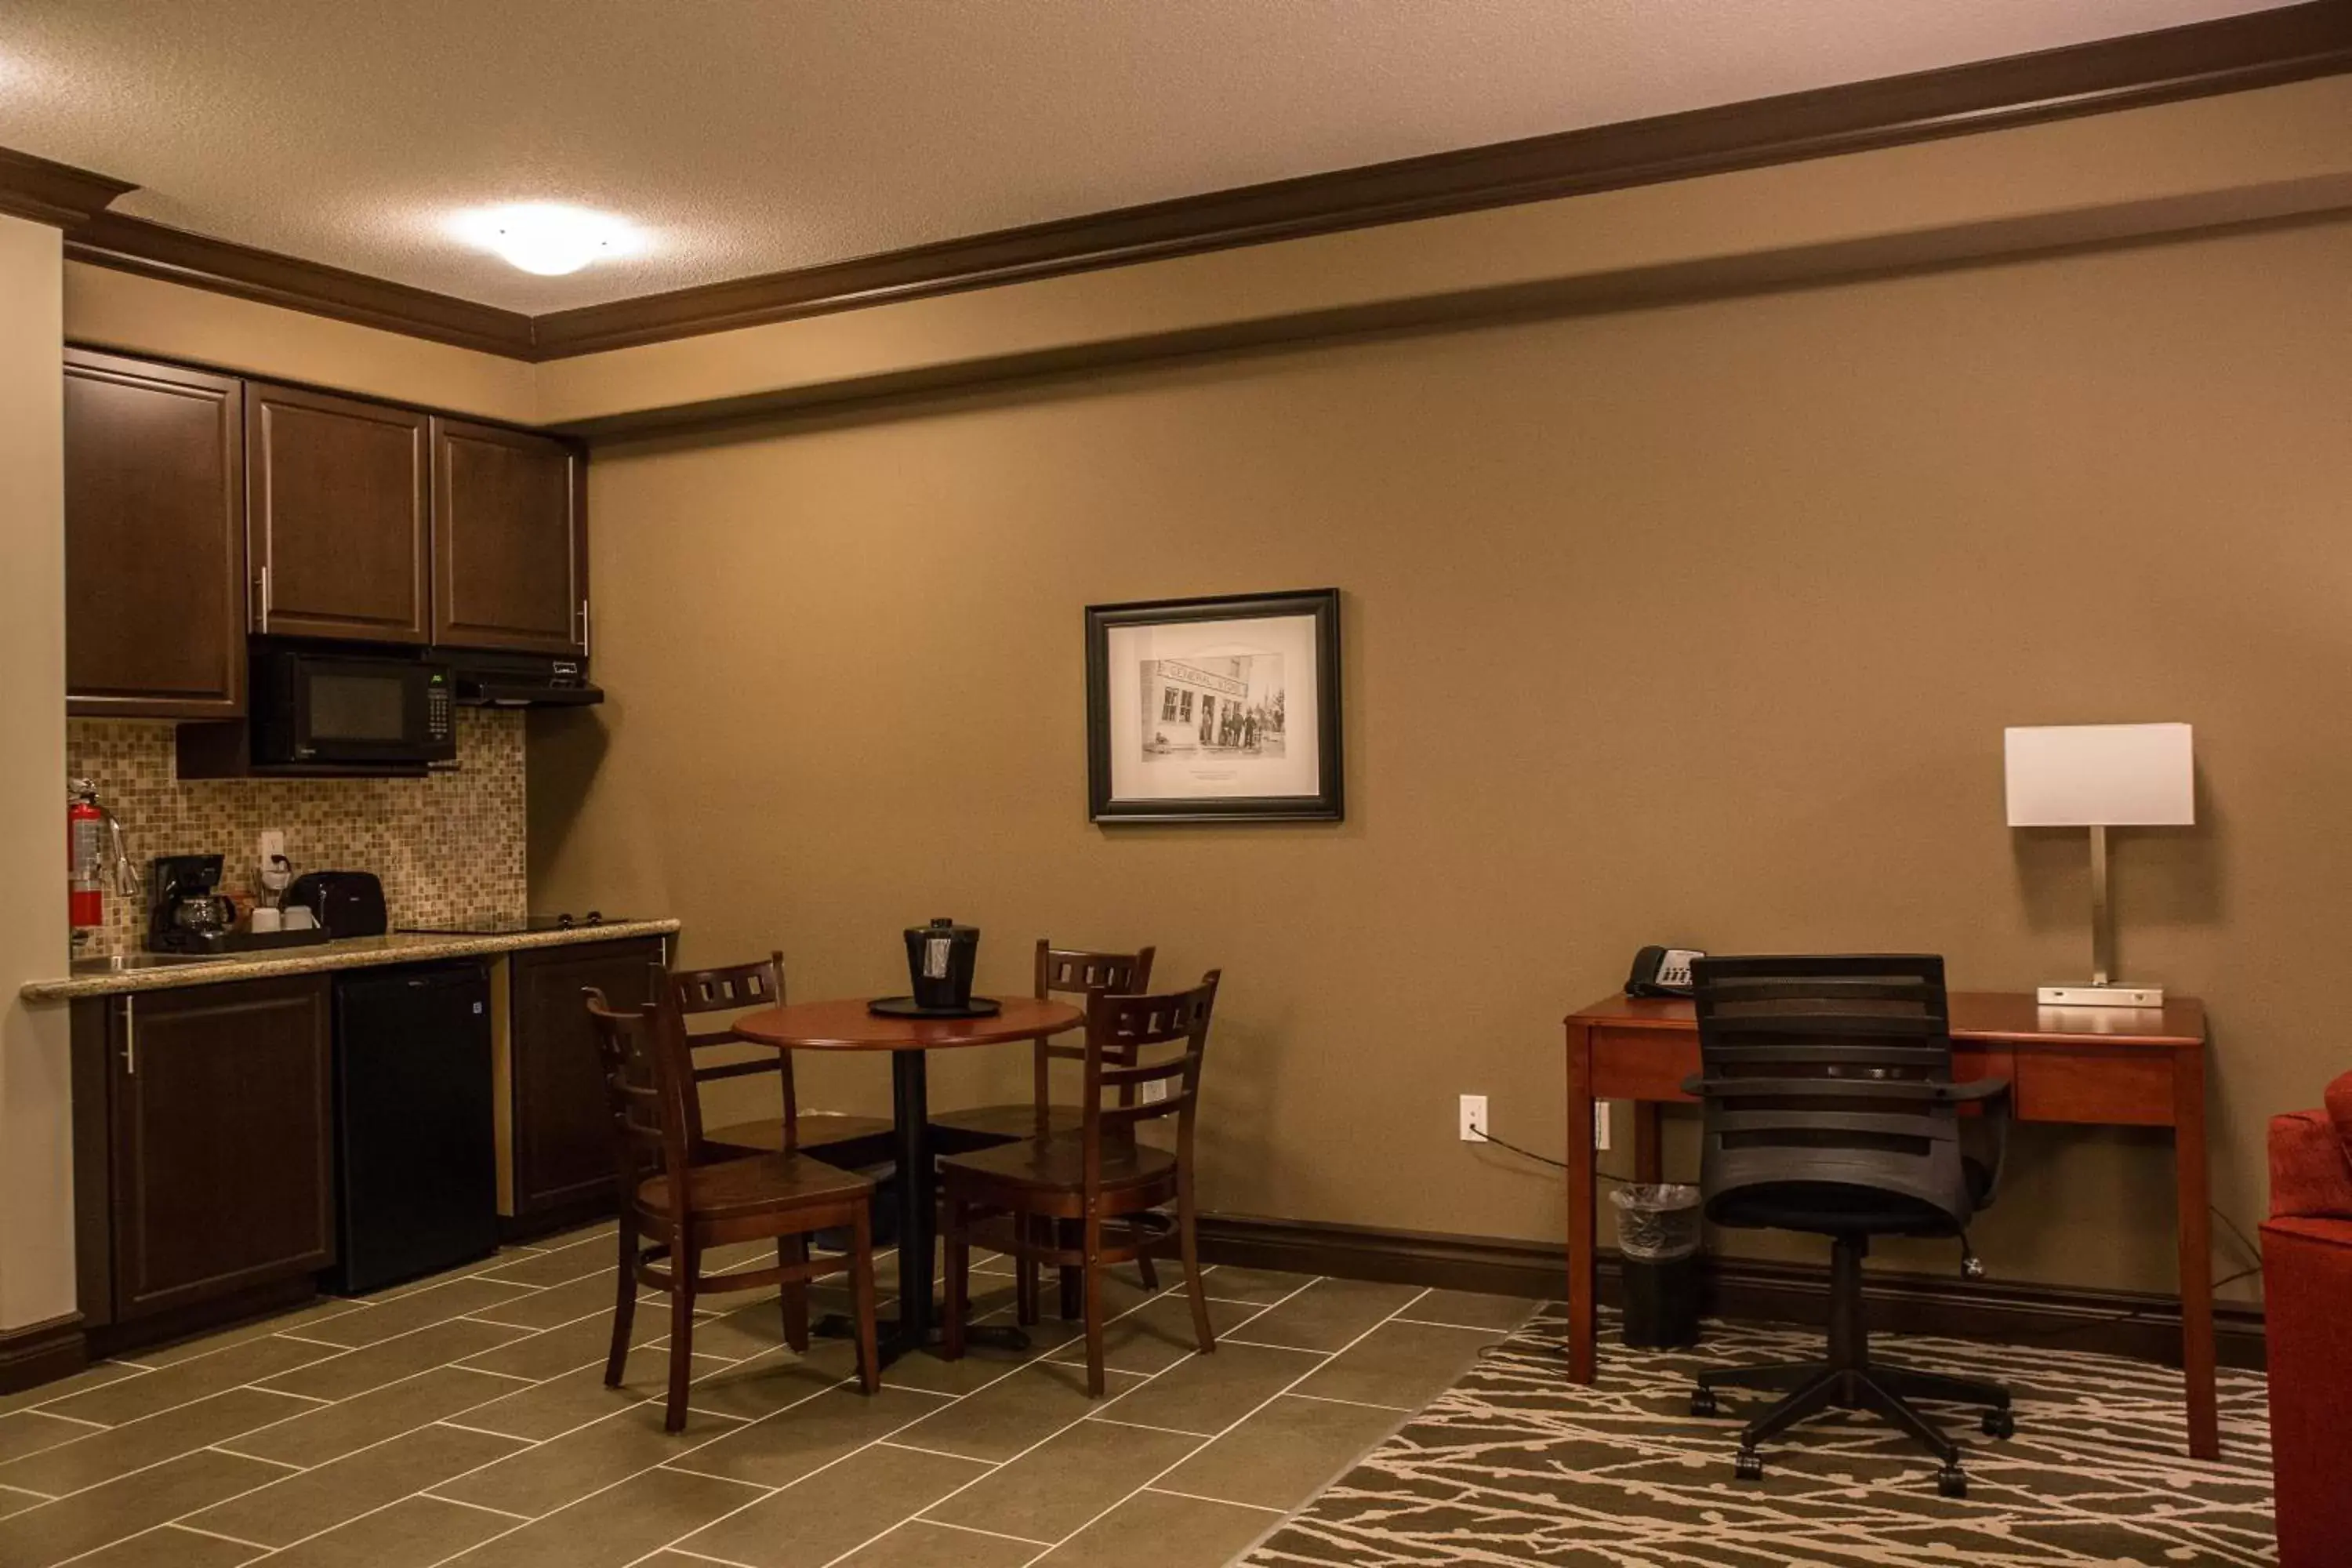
[(1662, 971)]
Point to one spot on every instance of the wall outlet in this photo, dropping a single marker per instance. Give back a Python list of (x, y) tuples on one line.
[(1601, 1126), (273, 842), (1474, 1118), (1155, 1091)]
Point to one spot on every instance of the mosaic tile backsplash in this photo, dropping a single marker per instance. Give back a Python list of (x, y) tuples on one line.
[(449, 847)]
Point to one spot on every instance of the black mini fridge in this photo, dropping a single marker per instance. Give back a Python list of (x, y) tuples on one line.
[(416, 1185)]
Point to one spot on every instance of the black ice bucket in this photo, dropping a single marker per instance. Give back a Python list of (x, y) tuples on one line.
[(939, 958)]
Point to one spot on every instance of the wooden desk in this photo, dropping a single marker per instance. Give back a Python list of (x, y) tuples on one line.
[(2099, 1067)]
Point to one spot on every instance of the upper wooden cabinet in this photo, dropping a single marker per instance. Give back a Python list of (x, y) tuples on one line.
[(338, 516), (508, 552), (155, 568)]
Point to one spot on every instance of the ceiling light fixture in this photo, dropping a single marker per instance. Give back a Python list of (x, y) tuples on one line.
[(547, 238)]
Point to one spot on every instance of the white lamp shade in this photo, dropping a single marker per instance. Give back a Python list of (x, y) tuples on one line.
[(2101, 776)]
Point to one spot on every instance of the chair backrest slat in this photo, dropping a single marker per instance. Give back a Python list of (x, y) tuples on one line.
[(1807, 1060), (1120, 1031), (732, 991), (649, 1084)]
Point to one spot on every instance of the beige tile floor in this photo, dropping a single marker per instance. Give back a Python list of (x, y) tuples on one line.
[(463, 1419)]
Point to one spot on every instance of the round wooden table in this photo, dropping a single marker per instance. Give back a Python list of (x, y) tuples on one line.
[(846, 1025)]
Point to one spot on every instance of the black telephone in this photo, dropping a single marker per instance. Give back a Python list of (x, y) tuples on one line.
[(1662, 971)]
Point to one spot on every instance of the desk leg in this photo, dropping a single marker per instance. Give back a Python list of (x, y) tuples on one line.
[(917, 1197), (2194, 1198), (1579, 1158)]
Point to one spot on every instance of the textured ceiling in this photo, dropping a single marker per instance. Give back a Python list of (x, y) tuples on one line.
[(755, 135)]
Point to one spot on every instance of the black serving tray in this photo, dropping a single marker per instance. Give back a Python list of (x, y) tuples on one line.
[(907, 1007)]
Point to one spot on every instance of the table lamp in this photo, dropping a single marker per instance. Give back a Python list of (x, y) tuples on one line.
[(2100, 776)]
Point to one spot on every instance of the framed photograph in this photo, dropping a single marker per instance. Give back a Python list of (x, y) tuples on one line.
[(1222, 710)]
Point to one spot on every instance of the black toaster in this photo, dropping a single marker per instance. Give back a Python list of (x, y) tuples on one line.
[(347, 903)]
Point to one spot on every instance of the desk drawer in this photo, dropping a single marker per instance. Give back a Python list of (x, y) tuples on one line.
[(2107, 1087), (1642, 1064)]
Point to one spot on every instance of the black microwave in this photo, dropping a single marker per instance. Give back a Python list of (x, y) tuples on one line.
[(313, 709)]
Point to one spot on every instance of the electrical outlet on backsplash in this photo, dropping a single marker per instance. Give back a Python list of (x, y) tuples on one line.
[(449, 846)]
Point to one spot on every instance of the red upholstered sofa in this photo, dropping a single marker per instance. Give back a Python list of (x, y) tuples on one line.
[(2307, 1295)]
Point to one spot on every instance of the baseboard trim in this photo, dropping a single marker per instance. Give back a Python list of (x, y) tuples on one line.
[(42, 1351), (2143, 1325)]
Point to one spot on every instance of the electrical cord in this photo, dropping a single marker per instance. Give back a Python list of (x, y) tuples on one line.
[(1546, 1159)]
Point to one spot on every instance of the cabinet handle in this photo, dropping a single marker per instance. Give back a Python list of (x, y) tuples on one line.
[(265, 598), (130, 1036), (584, 628)]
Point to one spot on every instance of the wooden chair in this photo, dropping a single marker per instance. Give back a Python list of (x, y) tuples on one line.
[(1065, 972), (1101, 1175), (677, 1203), (738, 989)]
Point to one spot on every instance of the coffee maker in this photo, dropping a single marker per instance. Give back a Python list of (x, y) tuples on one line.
[(186, 914)]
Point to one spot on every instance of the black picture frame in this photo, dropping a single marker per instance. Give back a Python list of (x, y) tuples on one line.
[(1327, 804)]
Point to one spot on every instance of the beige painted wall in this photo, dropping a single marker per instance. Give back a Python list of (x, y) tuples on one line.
[(36, 1272), (122, 311), (1696, 623)]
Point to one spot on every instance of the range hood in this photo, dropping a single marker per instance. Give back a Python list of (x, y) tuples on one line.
[(494, 680)]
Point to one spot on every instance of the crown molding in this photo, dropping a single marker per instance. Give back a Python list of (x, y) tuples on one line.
[(56, 194), (2262, 49), (176, 256)]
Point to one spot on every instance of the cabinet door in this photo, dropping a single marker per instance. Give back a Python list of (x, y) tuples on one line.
[(563, 1125), (155, 481), (336, 517), (223, 1145), (509, 568)]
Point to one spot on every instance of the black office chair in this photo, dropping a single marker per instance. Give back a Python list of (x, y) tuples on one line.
[(1830, 1108)]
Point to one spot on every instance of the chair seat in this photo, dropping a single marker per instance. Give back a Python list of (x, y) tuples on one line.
[(818, 1130), (759, 1183), (1059, 1164), (1843, 1209), (1009, 1120)]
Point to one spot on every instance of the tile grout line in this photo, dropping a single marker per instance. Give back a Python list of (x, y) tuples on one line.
[(1222, 1502), (923, 1515), (952, 1401), (1359, 1404), (967, 1529), (248, 1491), (476, 1507), (216, 1535), (1228, 1427)]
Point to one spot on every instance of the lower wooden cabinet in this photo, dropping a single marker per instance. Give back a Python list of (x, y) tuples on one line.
[(562, 1131), (212, 1143)]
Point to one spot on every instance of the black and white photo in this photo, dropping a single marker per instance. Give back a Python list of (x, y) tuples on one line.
[(1223, 709)]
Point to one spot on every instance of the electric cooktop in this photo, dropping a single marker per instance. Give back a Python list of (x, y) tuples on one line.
[(508, 925)]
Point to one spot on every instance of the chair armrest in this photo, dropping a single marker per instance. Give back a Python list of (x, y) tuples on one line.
[(1696, 1086), (1974, 1089)]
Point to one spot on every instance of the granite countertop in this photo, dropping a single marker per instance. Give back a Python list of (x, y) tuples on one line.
[(354, 952)]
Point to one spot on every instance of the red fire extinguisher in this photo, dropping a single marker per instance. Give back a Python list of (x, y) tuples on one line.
[(93, 849)]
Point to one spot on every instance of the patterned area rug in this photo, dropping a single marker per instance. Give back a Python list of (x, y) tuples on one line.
[(1517, 1465)]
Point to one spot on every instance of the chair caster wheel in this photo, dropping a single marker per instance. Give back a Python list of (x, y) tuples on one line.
[(1748, 1466), (1952, 1481), (2000, 1424), (1702, 1401)]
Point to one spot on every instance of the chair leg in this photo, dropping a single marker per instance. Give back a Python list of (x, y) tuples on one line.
[(1024, 1272), (1911, 1382), (1066, 1234), (1811, 1400), (1092, 1270), (1188, 1238), (1875, 1396), (683, 1264), (861, 1296), (958, 1268), (625, 1308), (791, 1250), (1150, 1275)]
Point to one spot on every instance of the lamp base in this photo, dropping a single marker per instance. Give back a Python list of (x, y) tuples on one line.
[(2100, 996)]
